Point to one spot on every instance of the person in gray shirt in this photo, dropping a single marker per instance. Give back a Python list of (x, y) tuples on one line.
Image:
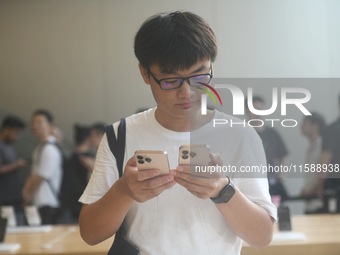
[(10, 186)]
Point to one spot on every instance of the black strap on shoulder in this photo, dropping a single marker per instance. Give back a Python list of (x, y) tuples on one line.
[(117, 144)]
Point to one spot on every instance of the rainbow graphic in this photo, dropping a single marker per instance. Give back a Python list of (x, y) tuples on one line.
[(211, 95)]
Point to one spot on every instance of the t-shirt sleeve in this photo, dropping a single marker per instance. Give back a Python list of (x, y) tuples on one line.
[(49, 162), (104, 175), (257, 191)]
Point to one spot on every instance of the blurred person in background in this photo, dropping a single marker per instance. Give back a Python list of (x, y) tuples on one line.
[(329, 186), (96, 134), (43, 185), (93, 139), (313, 127), (10, 185), (274, 148), (81, 164)]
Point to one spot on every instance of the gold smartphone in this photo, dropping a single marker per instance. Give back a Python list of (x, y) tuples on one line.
[(152, 159)]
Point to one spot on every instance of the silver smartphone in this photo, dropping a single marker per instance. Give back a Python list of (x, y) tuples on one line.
[(152, 159), (197, 156), (194, 154)]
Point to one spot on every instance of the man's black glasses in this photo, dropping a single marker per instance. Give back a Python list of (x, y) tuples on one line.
[(177, 82)]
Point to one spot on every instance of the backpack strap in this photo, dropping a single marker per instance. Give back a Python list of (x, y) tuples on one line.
[(117, 147), (117, 144)]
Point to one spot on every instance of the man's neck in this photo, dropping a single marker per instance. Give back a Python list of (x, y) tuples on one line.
[(195, 121)]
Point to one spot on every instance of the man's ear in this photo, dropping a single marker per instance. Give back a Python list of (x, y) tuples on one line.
[(144, 73)]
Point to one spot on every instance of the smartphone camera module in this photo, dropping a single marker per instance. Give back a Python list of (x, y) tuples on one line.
[(185, 154), (152, 159), (140, 159)]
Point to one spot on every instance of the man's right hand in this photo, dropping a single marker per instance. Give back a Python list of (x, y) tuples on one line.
[(144, 185)]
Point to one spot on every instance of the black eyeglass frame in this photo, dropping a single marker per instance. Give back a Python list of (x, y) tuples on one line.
[(158, 81)]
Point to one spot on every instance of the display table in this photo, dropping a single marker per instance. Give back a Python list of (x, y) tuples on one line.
[(321, 237), (312, 235)]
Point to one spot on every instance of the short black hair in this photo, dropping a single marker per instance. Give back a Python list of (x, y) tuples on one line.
[(12, 122), (174, 41), (81, 133), (317, 119), (45, 113), (99, 127)]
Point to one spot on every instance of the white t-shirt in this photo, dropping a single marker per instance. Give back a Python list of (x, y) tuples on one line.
[(177, 222), (47, 163)]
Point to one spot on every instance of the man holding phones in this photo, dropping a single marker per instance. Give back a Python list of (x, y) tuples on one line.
[(178, 213)]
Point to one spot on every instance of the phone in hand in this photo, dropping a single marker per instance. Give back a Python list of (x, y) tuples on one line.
[(284, 221), (152, 159), (194, 154), (198, 157)]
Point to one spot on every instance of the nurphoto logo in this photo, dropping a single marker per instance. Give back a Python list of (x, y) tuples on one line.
[(282, 97)]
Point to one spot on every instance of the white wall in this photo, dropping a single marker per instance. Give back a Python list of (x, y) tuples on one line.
[(76, 58)]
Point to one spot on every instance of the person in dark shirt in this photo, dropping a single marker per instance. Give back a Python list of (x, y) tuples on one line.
[(80, 165), (10, 185), (82, 160), (330, 156), (274, 148), (331, 143), (97, 131), (313, 127)]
